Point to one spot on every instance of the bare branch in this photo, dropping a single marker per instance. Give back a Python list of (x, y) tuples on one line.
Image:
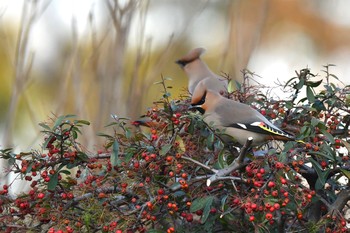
[(342, 198), (199, 164), (236, 164)]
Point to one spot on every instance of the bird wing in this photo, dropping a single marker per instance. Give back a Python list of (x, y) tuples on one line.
[(262, 128), (242, 116)]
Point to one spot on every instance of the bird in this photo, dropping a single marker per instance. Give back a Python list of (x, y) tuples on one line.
[(235, 119), (198, 71)]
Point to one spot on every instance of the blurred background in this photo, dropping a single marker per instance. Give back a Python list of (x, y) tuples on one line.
[(94, 58)]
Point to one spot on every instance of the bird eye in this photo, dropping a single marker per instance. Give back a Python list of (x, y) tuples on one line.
[(181, 63)]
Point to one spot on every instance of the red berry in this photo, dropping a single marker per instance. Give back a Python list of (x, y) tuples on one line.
[(268, 216), (254, 206), (277, 206), (271, 184), (279, 165), (169, 159), (160, 191), (189, 217), (274, 193), (283, 181)]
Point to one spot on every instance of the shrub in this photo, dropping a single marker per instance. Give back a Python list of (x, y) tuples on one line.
[(178, 176)]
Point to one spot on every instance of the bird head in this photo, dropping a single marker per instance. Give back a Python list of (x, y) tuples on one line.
[(190, 57)]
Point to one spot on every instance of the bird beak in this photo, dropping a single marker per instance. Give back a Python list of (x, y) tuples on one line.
[(199, 108)]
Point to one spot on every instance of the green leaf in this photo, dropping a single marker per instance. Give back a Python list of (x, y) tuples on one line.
[(191, 126), (231, 87), (84, 122), (76, 129), (181, 144), (82, 156), (70, 116), (165, 149), (221, 159), (223, 203), (67, 172), (302, 100), (128, 157), (75, 135), (45, 126), (206, 210), (282, 157), (288, 105), (287, 146), (115, 161), (310, 94), (210, 140), (128, 133), (314, 121), (53, 182), (314, 84), (332, 75), (305, 131), (105, 135), (58, 121), (327, 135), (200, 203), (111, 124), (300, 84), (238, 85), (318, 105), (346, 144), (322, 175), (329, 151), (346, 173), (325, 155), (289, 81)]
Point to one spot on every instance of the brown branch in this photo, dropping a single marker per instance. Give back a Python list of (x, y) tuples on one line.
[(236, 164), (199, 164), (99, 190), (342, 198)]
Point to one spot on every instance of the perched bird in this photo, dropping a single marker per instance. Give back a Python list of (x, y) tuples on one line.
[(197, 71), (236, 119)]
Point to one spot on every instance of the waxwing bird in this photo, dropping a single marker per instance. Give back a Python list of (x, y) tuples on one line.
[(197, 71), (237, 120)]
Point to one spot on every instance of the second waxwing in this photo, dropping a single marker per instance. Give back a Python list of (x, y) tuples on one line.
[(235, 119), (197, 70)]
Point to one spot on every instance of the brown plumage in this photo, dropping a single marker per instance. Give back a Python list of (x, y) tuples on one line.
[(198, 71), (236, 119)]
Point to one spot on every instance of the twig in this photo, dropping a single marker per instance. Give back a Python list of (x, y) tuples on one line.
[(236, 164), (199, 164), (99, 190)]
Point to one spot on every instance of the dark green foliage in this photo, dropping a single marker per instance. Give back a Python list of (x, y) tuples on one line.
[(154, 179)]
